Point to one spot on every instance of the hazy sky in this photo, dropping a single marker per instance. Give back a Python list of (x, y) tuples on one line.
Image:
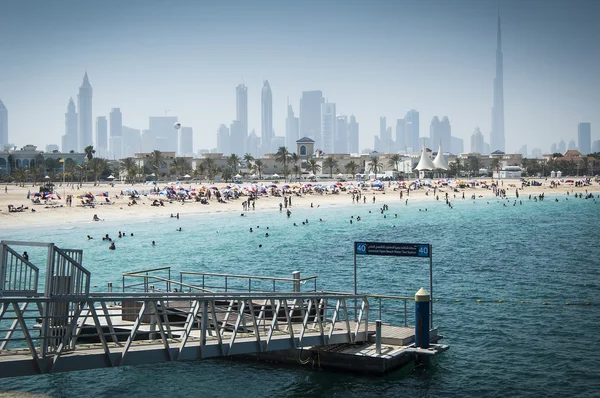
[(372, 58)]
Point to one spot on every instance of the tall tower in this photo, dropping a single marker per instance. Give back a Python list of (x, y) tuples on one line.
[(353, 135), (266, 117), (310, 116), (241, 107), (291, 128), (101, 136), (70, 139), (497, 141), (328, 126), (3, 125), (84, 104), (584, 138), (116, 133)]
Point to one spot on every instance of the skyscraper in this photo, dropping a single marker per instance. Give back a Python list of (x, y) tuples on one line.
[(101, 137), (310, 116), (353, 135), (241, 108), (400, 136), (3, 125), (340, 144), (223, 138), (116, 133), (236, 139), (411, 130), (131, 141), (477, 142), (435, 136), (70, 139), (445, 134), (84, 105), (584, 138), (291, 129), (186, 141), (328, 126), (497, 141), (266, 101)]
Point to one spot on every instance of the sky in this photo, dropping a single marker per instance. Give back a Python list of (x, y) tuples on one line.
[(372, 58)]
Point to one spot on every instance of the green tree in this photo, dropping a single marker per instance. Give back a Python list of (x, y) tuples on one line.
[(234, 162), (89, 152), (227, 174), (330, 163), (129, 167), (474, 165), (351, 167), (258, 167), (157, 160), (495, 165), (394, 161), (313, 166), (248, 159), (375, 165), (180, 165), (97, 166), (210, 168)]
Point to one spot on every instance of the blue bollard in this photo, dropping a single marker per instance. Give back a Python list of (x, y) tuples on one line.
[(422, 303)]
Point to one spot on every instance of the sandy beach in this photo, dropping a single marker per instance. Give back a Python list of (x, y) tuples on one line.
[(57, 212)]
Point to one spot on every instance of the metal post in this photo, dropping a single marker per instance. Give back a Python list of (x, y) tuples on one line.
[(296, 277), (422, 311), (430, 287), (355, 286), (110, 287), (378, 336)]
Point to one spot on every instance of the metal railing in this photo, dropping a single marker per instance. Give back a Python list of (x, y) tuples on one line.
[(246, 283), (149, 328), (161, 275), (18, 277)]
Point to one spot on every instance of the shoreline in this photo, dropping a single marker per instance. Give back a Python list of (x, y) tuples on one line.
[(121, 211)]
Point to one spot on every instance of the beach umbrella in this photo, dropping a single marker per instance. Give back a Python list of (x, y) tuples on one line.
[(275, 175), (110, 177), (237, 176), (47, 177)]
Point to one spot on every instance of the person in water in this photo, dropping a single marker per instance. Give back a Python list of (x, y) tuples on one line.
[(112, 246)]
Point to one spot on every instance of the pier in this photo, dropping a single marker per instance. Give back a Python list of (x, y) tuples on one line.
[(51, 322)]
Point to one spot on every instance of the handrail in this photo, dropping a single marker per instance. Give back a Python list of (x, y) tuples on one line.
[(249, 276), (145, 270), (169, 281)]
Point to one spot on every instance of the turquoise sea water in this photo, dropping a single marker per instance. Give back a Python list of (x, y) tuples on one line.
[(525, 255)]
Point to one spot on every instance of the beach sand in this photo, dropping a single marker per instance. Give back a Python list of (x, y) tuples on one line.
[(60, 214)]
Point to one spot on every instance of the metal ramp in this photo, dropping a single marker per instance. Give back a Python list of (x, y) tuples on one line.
[(64, 327)]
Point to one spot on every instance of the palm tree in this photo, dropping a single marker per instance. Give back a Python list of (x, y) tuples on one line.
[(394, 161), (330, 163), (248, 159), (297, 170), (227, 173), (157, 160), (351, 167), (495, 165), (199, 171), (21, 175), (294, 158), (89, 152), (97, 166), (258, 167), (474, 165), (286, 172), (180, 165), (234, 162), (313, 166), (210, 167), (282, 156), (129, 167), (375, 165)]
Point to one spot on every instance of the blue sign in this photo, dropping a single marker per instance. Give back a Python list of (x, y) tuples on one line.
[(393, 249)]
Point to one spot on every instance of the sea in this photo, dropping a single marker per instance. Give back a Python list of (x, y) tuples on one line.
[(515, 288)]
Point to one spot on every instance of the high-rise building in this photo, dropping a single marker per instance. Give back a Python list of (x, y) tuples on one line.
[(165, 135), (266, 101), (411, 129), (223, 138), (477, 142), (84, 105), (70, 139), (445, 136), (116, 132), (237, 138), (101, 137), (457, 145), (3, 125), (553, 148), (562, 146), (353, 135), (341, 140), (291, 129), (131, 142), (381, 142), (596, 146), (241, 108), (435, 132), (328, 128), (310, 116), (400, 136), (497, 140), (584, 138), (572, 145), (186, 141), (51, 148), (253, 144)]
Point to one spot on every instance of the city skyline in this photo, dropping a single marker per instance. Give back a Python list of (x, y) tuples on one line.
[(549, 84)]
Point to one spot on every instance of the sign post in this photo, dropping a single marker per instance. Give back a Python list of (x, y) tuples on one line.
[(422, 250)]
